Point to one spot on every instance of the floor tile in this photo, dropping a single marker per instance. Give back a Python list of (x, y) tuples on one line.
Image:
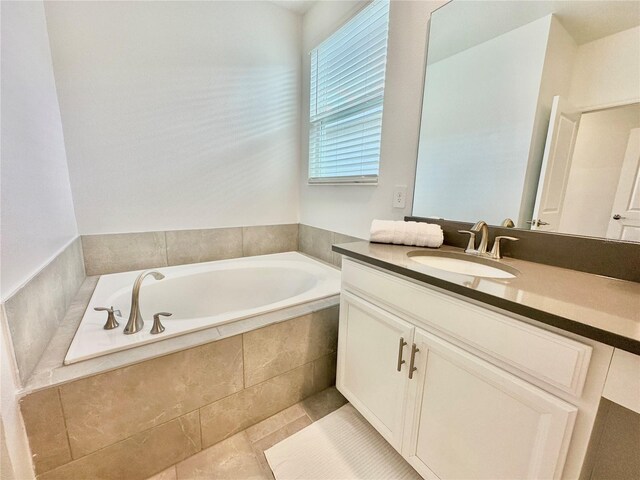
[(168, 474), (275, 422), (323, 403), (232, 458), (270, 440)]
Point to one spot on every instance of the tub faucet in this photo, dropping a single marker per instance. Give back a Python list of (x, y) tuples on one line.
[(135, 322)]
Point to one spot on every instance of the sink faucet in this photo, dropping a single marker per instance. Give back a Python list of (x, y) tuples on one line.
[(135, 322), (481, 226)]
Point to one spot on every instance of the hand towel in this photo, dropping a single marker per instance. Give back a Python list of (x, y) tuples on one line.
[(407, 233)]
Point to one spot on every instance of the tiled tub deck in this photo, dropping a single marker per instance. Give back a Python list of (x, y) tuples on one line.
[(135, 421)]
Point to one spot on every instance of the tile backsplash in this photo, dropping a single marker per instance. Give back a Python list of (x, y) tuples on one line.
[(317, 242), (112, 253), (35, 311)]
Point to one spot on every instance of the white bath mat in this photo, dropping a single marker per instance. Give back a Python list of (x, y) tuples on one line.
[(340, 446)]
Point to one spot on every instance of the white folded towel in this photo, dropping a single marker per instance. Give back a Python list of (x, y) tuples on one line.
[(419, 234)]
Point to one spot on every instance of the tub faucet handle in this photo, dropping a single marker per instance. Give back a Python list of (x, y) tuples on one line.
[(157, 326), (111, 319)]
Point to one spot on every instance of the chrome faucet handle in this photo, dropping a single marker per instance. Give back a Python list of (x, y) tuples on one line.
[(111, 319), (157, 326), (495, 251), (471, 246)]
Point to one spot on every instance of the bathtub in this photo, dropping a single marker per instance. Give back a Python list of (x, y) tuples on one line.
[(200, 296)]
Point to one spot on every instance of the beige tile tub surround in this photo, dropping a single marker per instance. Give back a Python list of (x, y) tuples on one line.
[(114, 418), (109, 407), (138, 456), (278, 348), (233, 414), (43, 417), (307, 356), (317, 243), (121, 252), (233, 458), (35, 311), (194, 246), (263, 240), (239, 455)]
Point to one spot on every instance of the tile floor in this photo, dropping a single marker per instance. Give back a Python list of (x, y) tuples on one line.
[(242, 455)]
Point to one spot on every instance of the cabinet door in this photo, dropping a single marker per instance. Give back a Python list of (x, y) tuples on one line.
[(466, 418), (373, 346)]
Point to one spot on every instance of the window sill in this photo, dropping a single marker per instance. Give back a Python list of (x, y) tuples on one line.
[(350, 184), (371, 180)]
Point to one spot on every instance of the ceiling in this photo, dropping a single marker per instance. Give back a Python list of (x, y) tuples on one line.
[(298, 6), (460, 24)]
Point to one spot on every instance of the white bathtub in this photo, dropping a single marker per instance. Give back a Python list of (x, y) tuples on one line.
[(200, 296)]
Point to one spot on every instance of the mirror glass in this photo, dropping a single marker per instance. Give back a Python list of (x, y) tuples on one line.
[(531, 112)]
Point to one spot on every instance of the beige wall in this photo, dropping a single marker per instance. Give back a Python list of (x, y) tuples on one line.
[(350, 209)]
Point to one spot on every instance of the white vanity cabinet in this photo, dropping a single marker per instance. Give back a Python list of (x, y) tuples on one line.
[(467, 418), (477, 405), (372, 349)]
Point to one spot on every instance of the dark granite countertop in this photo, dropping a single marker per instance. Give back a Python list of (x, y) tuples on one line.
[(601, 308)]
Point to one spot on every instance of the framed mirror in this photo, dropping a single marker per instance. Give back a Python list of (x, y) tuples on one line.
[(531, 112)]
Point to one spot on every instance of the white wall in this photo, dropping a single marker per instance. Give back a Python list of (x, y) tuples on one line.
[(477, 125), (350, 209), (595, 170), (37, 215), (178, 115), (607, 71)]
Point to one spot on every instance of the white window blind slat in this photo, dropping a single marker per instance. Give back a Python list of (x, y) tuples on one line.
[(346, 100), (357, 26), (332, 60)]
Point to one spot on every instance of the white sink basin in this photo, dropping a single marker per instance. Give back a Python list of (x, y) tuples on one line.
[(452, 262)]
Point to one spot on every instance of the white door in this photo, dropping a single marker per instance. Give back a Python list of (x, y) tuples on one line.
[(373, 346), (556, 163), (468, 419), (625, 216)]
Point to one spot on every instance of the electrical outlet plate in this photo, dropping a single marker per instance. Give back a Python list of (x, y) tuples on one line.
[(399, 196)]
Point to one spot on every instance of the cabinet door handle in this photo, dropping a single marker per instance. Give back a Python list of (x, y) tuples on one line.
[(400, 350), (412, 369)]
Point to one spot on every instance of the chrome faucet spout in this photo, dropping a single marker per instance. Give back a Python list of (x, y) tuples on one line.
[(135, 322), (481, 226)]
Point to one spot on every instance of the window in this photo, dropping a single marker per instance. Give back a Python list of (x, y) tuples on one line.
[(347, 92)]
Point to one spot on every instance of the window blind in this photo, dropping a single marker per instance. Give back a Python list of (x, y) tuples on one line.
[(347, 93)]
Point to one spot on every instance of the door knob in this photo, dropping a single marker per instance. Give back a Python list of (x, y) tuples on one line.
[(617, 216), (537, 223)]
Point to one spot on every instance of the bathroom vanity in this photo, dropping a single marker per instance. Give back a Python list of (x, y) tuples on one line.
[(508, 371)]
